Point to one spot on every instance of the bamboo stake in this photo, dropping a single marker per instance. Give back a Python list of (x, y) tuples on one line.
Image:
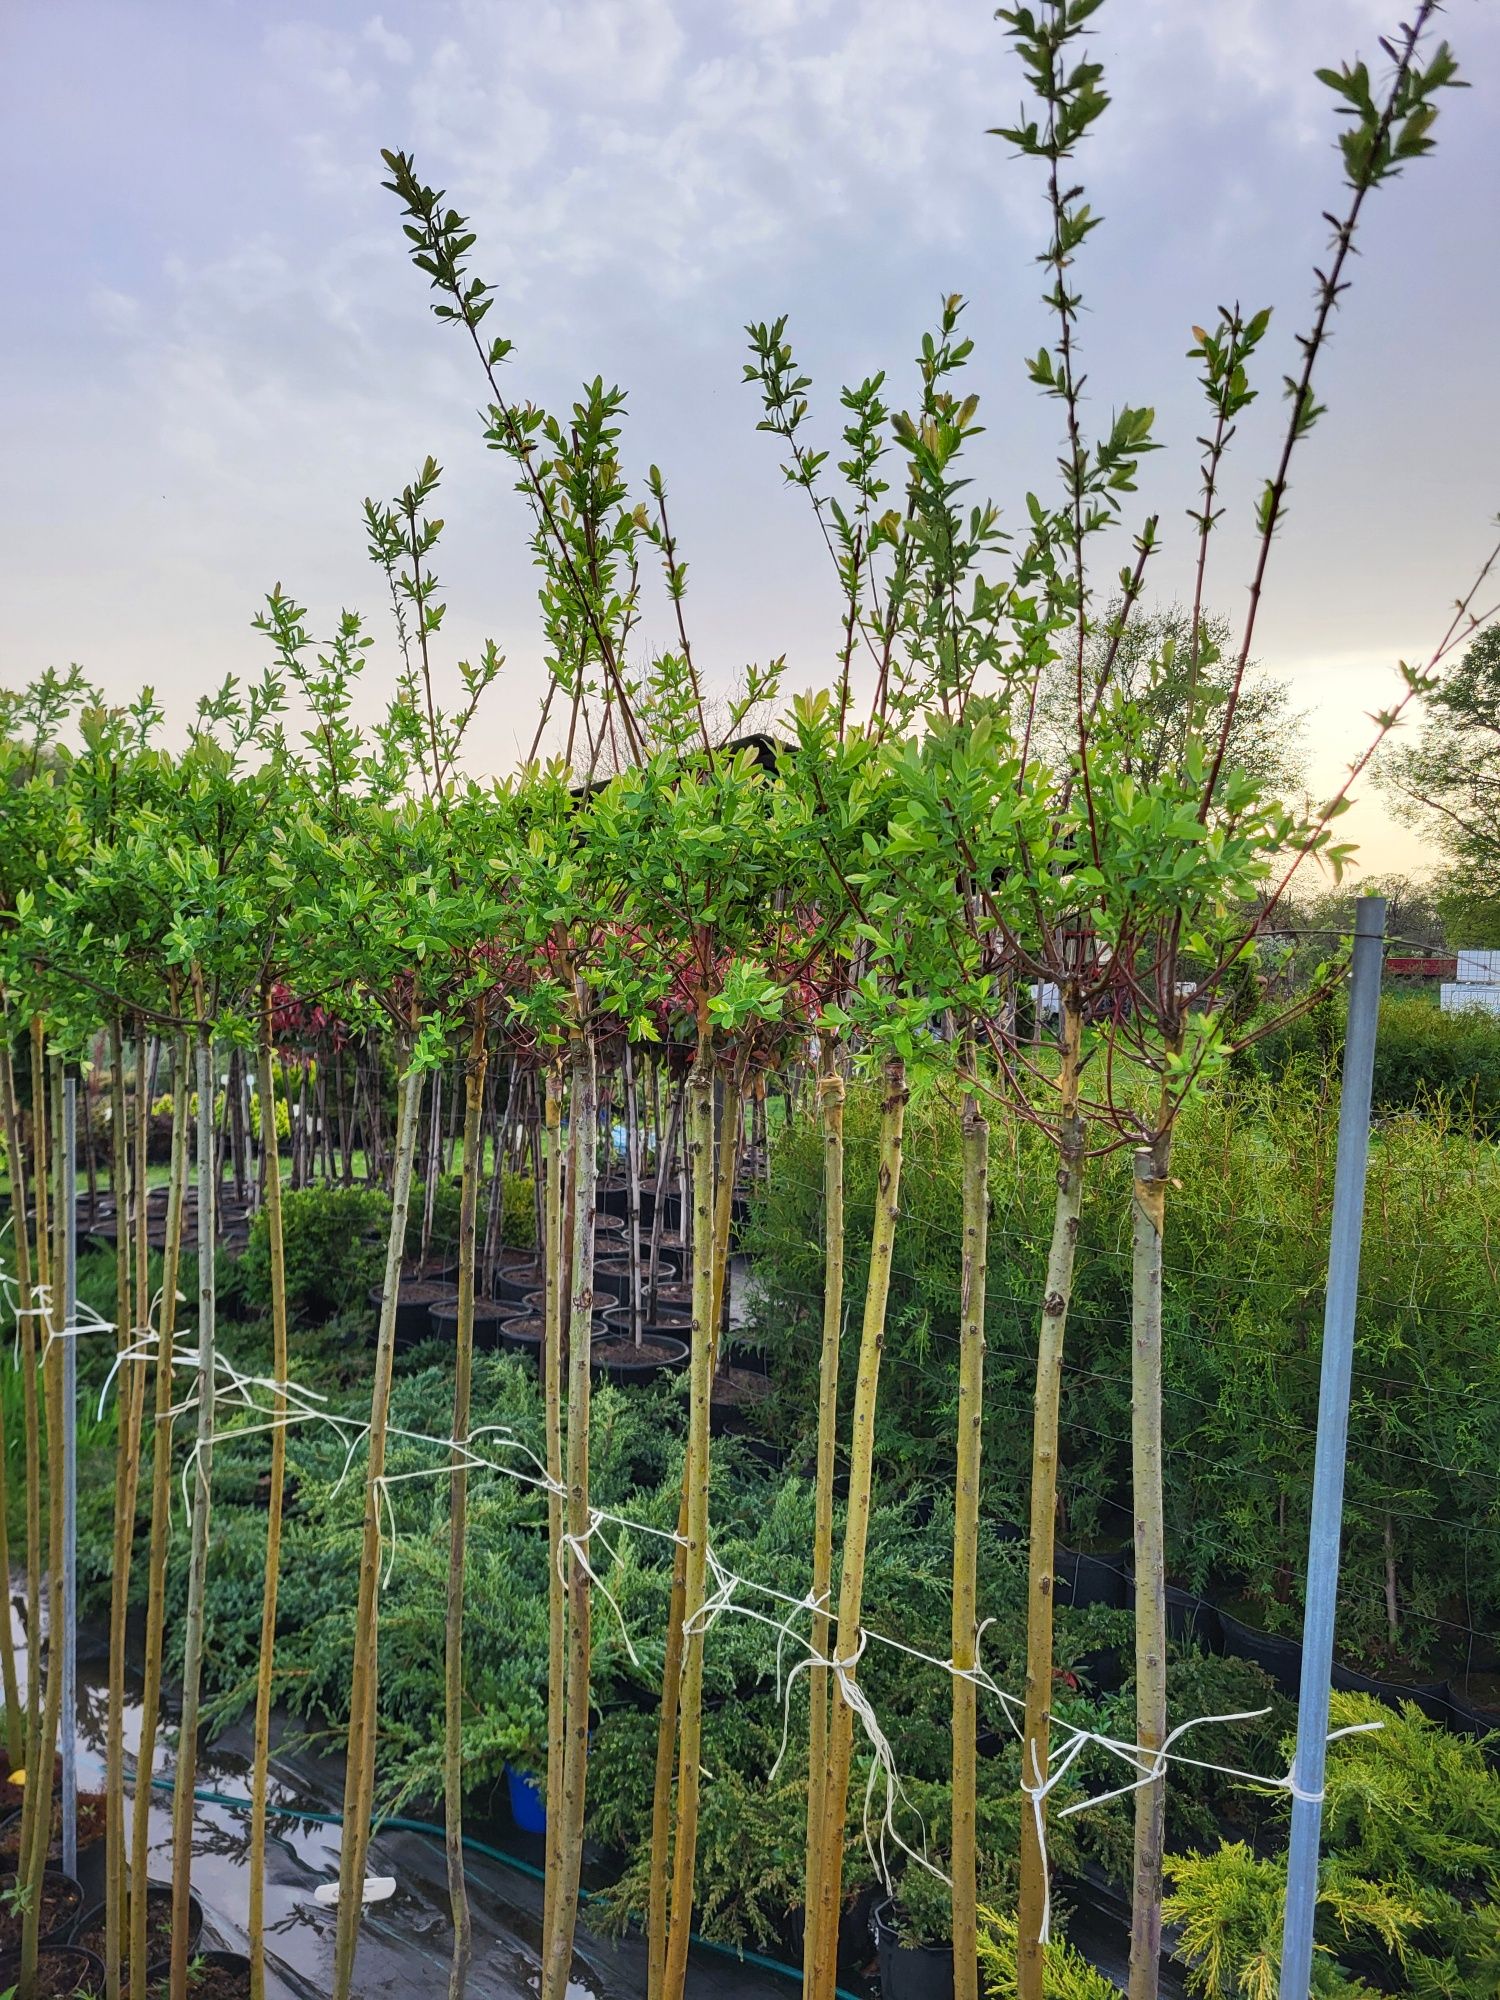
[(359, 1773), (161, 1475), (861, 1472), (458, 1515), (583, 1126), (185, 1771), (965, 1653), (1040, 1603), (831, 1105), (280, 1365)]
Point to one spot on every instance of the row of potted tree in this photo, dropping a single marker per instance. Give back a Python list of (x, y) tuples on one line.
[(878, 890)]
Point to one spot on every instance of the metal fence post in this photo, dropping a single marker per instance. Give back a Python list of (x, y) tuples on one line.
[(69, 1624), (1332, 1450)]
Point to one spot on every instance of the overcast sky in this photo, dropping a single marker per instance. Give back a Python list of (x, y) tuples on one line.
[(213, 346)]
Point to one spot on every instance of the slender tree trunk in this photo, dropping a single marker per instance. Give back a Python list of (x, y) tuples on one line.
[(494, 1218), (583, 1123), (186, 1770), (725, 1167), (671, 1679), (965, 1654), (458, 1516), (161, 1478), (126, 1455), (633, 1194), (53, 1381), (861, 1472), (433, 1164), (40, 1773), (15, 1164), (1149, 1207), (359, 1771), (552, 1363), (831, 1103), (1040, 1601), (695, 1567), (34, 1324), (260, 1770), (666, 1153)]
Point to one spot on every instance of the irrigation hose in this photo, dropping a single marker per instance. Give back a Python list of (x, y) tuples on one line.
[(396, 1824)]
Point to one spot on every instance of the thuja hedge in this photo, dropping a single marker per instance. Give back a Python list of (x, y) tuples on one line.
[(1423, 1056), (754, 1813), (1243, 1318)]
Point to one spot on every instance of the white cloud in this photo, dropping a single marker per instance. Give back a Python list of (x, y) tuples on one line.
[(116, 312), (395, 48), (322, 62)]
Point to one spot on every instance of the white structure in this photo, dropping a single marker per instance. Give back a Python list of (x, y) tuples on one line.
[(1477, 987), (1469, 997), (1479, 968)]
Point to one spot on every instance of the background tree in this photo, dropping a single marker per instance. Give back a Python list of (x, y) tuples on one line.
[(1147, 659), (1446, 784)]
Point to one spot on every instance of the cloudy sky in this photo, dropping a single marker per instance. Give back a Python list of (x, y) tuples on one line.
[(213, 346)]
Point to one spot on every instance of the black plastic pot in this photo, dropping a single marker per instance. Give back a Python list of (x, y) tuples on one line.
[(735, 1397), (613, 1199), (490, 1316), (60, 1926), (671, 1326), (523, 1333), (414, 1303), (232, 1962), (160, 1895), (754, 1360), (855, 1934), (626, 1372), (671, 1209), (514, 1281), (909, 1971), (612, 1278), (86, 1971), (90, 1864), (1082, 1579)]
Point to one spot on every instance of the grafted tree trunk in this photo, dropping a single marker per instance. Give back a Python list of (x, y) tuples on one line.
[(185, 1774), (857, 1522), (36, 1835), (695, 1566), (161, 1477), (359, 1772), (458, 1516), (15, 1164), (552, 1362), (965, 1654), (1040, 1603), (1149, 1194), (831, 1105), (130, 1215), (280, 1365), (557, 1963)]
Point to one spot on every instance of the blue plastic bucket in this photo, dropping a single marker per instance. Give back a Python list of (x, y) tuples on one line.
[(528, 1802)]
